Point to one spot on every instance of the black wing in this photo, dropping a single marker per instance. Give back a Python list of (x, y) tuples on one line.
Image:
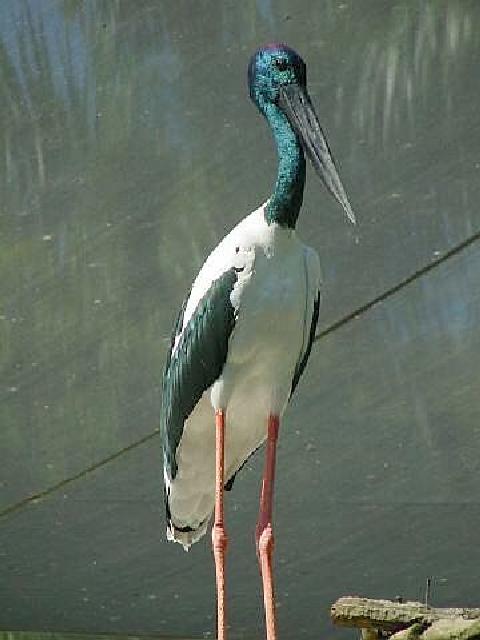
[(302, 363), (197, 362)]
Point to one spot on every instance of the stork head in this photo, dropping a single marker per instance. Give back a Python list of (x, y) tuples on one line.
[(272, 68), (277, 80)]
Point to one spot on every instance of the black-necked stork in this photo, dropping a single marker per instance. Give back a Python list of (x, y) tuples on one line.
[(245, 332)]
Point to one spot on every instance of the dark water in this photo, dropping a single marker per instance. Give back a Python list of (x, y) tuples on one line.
[(128, 147)]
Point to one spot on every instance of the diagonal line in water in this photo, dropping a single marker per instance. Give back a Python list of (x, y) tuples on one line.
[(416, 275), (63, 483)]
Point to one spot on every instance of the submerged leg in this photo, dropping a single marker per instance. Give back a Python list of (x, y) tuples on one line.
[(264, 530), (219, 537)]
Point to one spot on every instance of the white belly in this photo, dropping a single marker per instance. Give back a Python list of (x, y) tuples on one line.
[(256, 381)]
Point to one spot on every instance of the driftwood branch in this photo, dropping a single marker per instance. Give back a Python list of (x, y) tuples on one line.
[(406, 620)]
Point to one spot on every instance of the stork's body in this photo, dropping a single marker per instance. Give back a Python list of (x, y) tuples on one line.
[(245, 333), (275, 280)]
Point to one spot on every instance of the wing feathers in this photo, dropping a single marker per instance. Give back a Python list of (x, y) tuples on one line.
[(196, 362)]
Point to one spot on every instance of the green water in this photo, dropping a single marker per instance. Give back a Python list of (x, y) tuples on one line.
[(128, 147)]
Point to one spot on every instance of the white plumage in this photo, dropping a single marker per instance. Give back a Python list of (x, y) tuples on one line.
[(274, 296)]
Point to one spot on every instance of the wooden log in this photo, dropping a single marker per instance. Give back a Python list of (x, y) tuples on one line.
[(446, 629), (406, 620)]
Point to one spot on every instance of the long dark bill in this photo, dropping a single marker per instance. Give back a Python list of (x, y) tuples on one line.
[(297, 106)]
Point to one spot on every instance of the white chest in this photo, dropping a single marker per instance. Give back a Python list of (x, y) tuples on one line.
[(269, 332), (272, 307)]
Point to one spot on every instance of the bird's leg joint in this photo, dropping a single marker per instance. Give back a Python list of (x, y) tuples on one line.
[(219, 538), (266, 542)]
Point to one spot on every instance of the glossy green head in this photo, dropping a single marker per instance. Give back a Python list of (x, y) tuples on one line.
[(271, 68), (277, 81)]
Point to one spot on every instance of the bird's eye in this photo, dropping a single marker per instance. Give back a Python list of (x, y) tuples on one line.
[(281, 64)]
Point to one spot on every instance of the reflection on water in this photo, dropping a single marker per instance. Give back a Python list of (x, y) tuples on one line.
[(128, 147), (408, 50)]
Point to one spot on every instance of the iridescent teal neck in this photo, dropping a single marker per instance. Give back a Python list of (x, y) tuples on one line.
[(284, 205)]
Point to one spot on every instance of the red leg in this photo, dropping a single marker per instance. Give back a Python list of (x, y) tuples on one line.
[(219, 537), (264, 530)]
